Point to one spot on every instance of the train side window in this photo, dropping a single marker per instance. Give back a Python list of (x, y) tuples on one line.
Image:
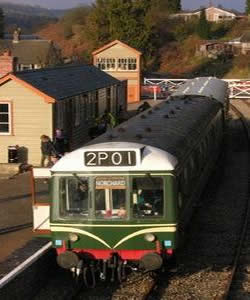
[(147, 197)]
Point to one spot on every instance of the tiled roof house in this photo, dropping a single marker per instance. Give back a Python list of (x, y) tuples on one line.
[(19, 54), (213, 14)]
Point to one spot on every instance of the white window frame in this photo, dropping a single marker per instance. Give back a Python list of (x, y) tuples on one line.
[(126, 63), (9, 118), (106, 63)]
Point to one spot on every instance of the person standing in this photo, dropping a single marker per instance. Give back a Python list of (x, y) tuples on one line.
[(60, 143), (47, 150)]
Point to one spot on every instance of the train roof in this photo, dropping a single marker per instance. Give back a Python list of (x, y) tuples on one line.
[(164, 134), (204, 86)]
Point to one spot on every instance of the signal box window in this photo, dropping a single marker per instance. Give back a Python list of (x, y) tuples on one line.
[(74, 196), (110, 198), (129, 63), (5, 118), (106, 63), (147, 197)]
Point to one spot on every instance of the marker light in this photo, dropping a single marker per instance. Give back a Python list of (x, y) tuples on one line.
[(73, 237), (149, 237)]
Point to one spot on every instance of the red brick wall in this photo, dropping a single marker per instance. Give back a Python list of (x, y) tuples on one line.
[(6, 63)]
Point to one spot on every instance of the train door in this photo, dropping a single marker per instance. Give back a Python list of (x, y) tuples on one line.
[(40, 200)]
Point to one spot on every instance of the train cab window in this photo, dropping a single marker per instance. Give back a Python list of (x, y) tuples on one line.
[(110, 198), (74, 196), (147, 197)]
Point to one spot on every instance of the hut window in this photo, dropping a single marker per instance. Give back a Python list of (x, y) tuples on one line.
[(5, 118)]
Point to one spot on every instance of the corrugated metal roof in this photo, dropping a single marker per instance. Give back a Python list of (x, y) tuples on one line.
[(67, 81)]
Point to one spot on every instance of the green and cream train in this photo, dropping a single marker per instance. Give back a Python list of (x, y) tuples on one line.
[(122, 201)]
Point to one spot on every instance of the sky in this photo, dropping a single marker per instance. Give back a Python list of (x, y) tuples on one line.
[(186, 4)]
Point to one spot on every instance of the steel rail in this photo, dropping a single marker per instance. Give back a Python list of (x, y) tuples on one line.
[(228, 284), (15, 228)]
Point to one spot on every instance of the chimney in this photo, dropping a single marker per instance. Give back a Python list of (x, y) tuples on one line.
[(6, 63), (16, 35)]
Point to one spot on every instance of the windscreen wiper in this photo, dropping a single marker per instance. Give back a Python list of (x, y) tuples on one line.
[(79, 179)]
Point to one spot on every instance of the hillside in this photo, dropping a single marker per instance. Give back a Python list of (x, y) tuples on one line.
[(176, 56), (179, 59), (28, 18)]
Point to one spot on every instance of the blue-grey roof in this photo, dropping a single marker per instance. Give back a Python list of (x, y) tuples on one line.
[(67, 81)]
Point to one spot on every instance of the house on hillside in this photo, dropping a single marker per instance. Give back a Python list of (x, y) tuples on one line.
[(36, 102), (122, 62), (244, 42), (213, 14), (214, 48), (18, 54)]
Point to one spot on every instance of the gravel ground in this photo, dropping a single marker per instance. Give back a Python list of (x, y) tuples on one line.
[(204, 261)]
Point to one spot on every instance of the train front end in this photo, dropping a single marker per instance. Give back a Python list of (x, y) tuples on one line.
[(113, 209)]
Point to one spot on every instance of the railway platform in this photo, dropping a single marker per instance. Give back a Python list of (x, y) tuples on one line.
[(15, 210)]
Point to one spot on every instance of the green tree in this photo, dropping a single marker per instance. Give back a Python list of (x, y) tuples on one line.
[(127, 20), (97, 26), (203, 27), (74, 17), (174, 5), (1, 23), (247, 7)]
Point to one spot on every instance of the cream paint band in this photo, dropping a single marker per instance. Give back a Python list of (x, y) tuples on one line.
[(114, 225), (143, 231)]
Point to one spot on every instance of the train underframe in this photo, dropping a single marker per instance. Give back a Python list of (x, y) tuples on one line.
[(89, 265)]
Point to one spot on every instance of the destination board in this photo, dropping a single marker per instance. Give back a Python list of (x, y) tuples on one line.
[(109, 158), (110, 183)]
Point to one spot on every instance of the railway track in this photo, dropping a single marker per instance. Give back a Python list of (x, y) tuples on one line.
[(137, 287), (15, 228), (238, 286), (209, 262)]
